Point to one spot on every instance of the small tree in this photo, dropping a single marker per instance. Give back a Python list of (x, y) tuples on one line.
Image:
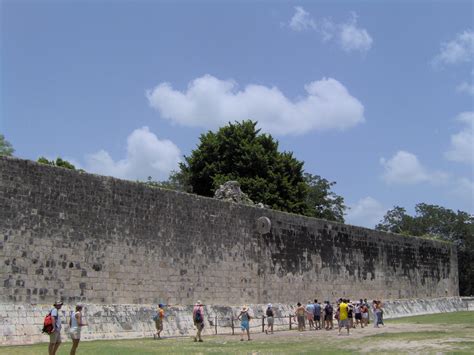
[(6, 149)]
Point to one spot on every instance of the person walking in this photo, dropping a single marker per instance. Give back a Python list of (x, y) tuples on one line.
[(244, 318), (55, 335), (75, 325), (270, 319), (160, 315), (198, 319)]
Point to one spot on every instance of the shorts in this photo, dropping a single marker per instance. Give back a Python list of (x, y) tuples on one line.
[(317, 318), (55, 337), (270, 320), (358, 316), (244, 325), (300, 320), (159, 324), (344, 323), (75, 333), (199, 325), (365, 315), (328, 317)]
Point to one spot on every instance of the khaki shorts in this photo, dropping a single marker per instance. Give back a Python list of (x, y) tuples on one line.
[(159, 324), (55, 337), (344, 323)]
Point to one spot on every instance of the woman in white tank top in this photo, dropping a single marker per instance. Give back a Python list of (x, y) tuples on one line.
[(75, 324)]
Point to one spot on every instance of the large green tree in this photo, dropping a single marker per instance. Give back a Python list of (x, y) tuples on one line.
[(240, 152), (5, 147), (440, 223)]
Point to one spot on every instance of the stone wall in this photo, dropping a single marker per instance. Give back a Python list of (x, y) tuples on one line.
[(100, 240), (22, 323)]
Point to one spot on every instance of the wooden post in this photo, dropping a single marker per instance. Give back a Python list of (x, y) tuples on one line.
[(215, 324), (263, 324), (290, 321), (232, 325)]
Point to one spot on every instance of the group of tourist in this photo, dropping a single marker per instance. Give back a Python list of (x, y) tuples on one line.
[(348, 315), (75, 324), (319, 316)]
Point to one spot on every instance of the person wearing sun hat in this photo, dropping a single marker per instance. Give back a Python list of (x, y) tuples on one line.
[(75, 324), (198, 319), (269, 313), (160, 315), (55, 335), (244, 318)]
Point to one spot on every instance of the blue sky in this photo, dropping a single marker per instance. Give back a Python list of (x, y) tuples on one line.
[(377, 96)]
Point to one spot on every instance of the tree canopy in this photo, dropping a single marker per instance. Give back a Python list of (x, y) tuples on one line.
[(5, 147), (439, 223), (322, 202), (239, 151)]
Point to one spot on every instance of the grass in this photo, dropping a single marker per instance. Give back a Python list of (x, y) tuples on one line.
[(445, 333), (212, 345), (466, 318)]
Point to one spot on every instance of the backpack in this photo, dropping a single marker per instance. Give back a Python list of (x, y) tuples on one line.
[(198, 316), (48, 324), (328, 309), (155, 316)]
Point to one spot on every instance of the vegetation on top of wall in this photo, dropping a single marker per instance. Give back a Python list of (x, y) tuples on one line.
[(6, 149), (442, 224), (58, 162)]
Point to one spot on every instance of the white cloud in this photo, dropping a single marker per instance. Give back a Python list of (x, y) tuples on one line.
[(210, 102), (466, 88), (462, 143), (459, 50), (146, 156), (404, 168), (353, 38), (366, 212), (350, 36), (301, 20)]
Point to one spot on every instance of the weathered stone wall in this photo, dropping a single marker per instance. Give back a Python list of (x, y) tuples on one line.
[(101, 240)]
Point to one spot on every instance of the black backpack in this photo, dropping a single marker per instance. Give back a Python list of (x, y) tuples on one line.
[(198, 316)]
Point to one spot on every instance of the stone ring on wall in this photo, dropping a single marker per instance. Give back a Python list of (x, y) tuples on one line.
[(264, 225)]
